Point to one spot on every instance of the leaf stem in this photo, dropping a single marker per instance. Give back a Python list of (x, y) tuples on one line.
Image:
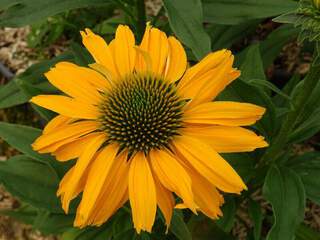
[(290, 121)]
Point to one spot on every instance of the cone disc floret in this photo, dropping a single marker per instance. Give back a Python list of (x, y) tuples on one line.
[(141, 112)]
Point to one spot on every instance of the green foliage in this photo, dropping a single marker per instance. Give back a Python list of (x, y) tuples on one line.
[(233, 12), (284, 190), (292, 115), (23, 12), (32, 181), (307, 166), (306, 18), (185, 18)]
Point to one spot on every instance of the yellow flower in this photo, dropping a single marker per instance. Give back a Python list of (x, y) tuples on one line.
[(143, 128), (316, 3)]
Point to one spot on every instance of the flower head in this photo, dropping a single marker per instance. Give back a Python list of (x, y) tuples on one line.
[(143, 128)]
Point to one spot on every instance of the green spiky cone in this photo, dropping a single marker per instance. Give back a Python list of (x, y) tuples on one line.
[(141, 113)]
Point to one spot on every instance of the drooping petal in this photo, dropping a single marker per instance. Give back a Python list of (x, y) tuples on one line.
[(65, 181), (80, 168), (165, 201), (224, 113), (225, 139), (73, 149), (115, 192), (95, 183), (176, 62), (123, 50), (99, 50), (63, 135), (206, 196), (155, 43), (209, 164), (66, 106), (142, 193), (173, 176)]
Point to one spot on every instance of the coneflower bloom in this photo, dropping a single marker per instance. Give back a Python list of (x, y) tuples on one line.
[(143, 127)]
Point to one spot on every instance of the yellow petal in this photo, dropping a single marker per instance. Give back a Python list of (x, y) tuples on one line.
[(77, 82), (66, 106), (173, 176), (224, 113), (155, 43), (142, 193), (124, 52), (65, 181), (224, 139), (93, 77), (208, 85), (165, 201), (95, 183), (73, 149), (115, 192), (63, 135), (56, 122), (209, 164), (81, 166), (206, 196), (211, 61), (176, 62), (99, 50)]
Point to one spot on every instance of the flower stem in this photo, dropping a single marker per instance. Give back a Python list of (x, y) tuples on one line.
[(141, 18), (279, 143)]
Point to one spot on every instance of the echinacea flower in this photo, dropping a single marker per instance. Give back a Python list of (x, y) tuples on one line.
[(143, 127)]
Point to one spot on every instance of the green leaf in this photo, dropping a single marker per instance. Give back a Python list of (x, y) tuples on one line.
[(24, 12), (307, 166), (256, 216), (32, 181), (185, 18), (284, 189), (287, 89), (304, 232), (52, 223), (100, 233), (20, 137), (224, 36), (127, 235), (178, 227), (10, 95), (312, 105), (264, 83), (290, 17), (252, 66), (233, 12), (121, 223), (306, 129)]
